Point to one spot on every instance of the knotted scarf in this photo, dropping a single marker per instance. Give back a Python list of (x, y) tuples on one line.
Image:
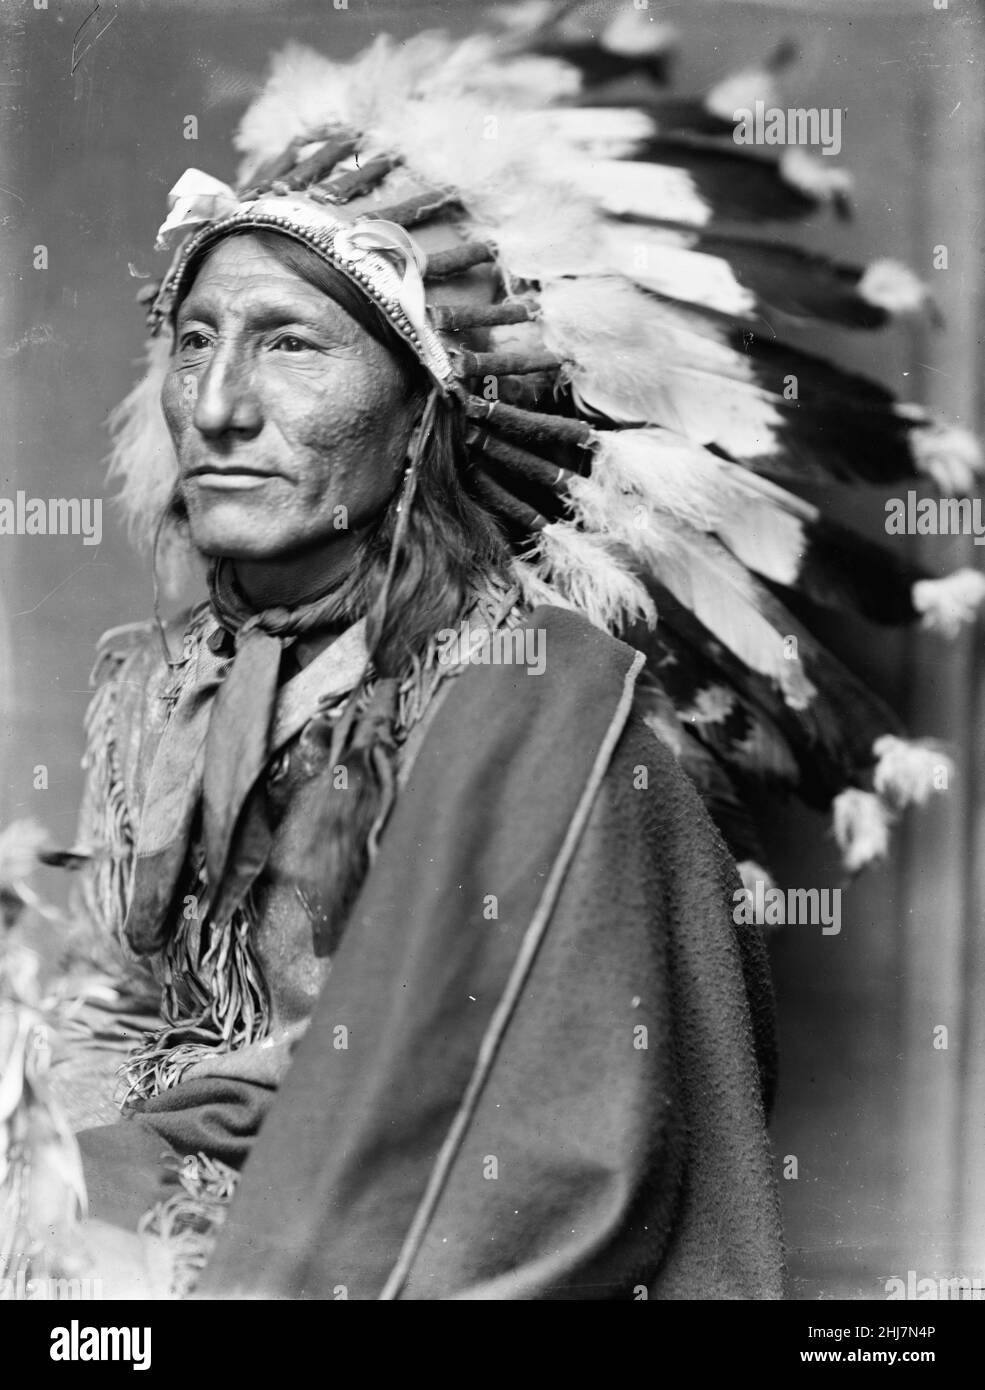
[(216, 746)]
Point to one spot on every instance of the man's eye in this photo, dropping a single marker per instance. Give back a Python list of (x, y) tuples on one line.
[(288, 342), (194, 341)]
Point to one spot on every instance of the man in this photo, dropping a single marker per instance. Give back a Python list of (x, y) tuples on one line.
[(527, 1064), (433, 987)]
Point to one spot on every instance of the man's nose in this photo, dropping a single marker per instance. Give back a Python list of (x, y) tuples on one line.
[(227, 401)]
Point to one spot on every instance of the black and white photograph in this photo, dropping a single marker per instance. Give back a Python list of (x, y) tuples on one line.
[(492, 798)]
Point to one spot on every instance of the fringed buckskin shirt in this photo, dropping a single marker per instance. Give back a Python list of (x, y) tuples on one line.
[(537, 1061)]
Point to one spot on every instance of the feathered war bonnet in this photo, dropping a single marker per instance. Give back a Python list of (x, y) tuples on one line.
[(589, 288)]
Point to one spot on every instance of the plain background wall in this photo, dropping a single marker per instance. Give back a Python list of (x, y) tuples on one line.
[(886, 1130)]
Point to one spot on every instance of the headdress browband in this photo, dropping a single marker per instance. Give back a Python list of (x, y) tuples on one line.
[(379, 257)]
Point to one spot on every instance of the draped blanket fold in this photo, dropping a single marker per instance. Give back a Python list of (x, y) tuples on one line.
[(536, 1069)]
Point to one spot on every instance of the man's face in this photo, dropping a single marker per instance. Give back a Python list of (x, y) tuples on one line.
[(291, 424)]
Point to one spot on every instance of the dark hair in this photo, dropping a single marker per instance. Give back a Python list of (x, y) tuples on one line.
[(450, 544)]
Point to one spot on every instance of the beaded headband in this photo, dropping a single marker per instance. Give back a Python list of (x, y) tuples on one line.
[(379, 257)]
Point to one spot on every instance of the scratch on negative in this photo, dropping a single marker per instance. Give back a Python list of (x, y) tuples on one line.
[(76, 55), (26, 612)]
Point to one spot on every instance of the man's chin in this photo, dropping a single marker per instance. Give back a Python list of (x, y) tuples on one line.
[(259, 541), (238, 528), (237, 542), (227, 547)]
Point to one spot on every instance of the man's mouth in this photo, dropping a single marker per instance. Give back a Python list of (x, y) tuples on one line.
[(238, 478)]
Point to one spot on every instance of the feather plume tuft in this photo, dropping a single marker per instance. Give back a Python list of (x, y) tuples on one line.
[(299, 96), (633, 31), (907, 772), (861, 822), (21, 844), (648, 466), (951, 456), (752, 874), (811, 175), (535, 590), (142, 458), (587, 573), (892, 286), (741, 90), (658, 496), (948, 604)]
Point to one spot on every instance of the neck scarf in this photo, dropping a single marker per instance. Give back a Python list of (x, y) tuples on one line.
[(215, 748)]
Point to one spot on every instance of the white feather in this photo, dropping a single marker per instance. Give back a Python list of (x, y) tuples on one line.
[(710, 583), (20, 844), (142, 460), (861, 822), (624, 499), (634, 31), (948, 604), (633, 188), (761, 523), (951, 456), (673, 270), (638, 361), (434, 100), (586, 571), (301, 93), (535, 590), (892, 286), (554, 235), (603, 132), (649, 468), (741, 90), (813, 176), (752, 873), (524, 16), (907, 772)]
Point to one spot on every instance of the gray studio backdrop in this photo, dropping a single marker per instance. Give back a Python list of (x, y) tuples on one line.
[(887, 1132)]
